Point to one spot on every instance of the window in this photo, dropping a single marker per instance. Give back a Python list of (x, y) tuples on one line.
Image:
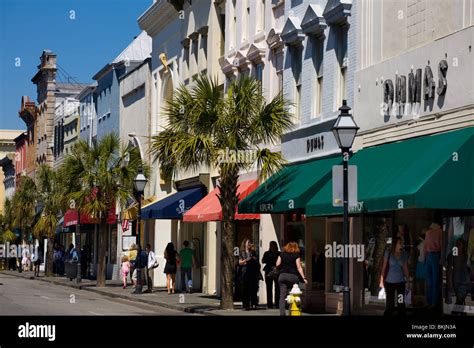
[(261, 16), (296, 69), (259, 72), (342, 58), (318, 54), (195, 53), (278, 57)]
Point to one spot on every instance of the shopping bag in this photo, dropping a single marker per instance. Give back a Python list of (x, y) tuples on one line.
[(381, 294)]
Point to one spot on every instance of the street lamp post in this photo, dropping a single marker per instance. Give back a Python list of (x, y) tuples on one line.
[(78, 247), (345, 130), (139, 184)]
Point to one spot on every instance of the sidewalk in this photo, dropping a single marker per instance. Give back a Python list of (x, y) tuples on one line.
[(198, 303)]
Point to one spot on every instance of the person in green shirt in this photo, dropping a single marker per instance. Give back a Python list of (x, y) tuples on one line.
[(188, 263)]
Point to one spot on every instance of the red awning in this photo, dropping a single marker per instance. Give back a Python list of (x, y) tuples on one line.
[(71, 217), (209, 208)]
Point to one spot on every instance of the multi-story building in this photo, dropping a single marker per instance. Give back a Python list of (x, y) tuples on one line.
[(107, 92), (198, 26), (318, 65), (87, 114), (21, 157), (7, 162), (28, 114), (414, 104), (45, 81), (66, 128)]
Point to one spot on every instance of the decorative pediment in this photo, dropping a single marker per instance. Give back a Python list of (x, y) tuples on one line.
[(256, 53), (240, 61), (313, 21), (292, 33), (203, 30), (226, 66), (194, 36), (337, 11), (185, 42), (274, 40)]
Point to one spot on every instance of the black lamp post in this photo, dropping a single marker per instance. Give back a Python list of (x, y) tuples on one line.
[(139, 184), (345, 130)]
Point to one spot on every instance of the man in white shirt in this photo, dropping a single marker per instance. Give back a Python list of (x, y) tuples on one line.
[(151, 265)]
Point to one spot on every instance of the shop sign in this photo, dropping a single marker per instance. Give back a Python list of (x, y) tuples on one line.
[(395, 94)]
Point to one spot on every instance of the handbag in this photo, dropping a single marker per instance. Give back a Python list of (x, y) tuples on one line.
[(155, 265), (274, 273)]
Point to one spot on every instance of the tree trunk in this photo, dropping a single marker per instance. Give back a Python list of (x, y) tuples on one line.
[(49, 258), (101, 264), (228, 200)]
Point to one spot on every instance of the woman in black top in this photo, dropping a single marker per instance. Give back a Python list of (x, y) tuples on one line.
[(170, 267), (289, 263), (269, 259), (250, 274)]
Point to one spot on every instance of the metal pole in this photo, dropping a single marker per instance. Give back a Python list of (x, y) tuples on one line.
[(346, 291), (138, 289), (78, 247)]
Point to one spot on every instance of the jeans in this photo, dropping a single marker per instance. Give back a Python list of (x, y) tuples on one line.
[(432, 277), (285, 281), (186, 272), (269, 283), (390, 289)]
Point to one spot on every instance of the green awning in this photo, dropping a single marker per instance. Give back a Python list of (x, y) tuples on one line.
[(435, 171), (290, 188)]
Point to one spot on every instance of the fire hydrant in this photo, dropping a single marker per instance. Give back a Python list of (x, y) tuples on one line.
[(294, 300)]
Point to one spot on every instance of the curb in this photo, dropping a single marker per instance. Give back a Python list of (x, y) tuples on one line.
[(124, 297)]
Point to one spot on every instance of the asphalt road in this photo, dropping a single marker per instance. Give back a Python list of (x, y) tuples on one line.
[(20, 296)]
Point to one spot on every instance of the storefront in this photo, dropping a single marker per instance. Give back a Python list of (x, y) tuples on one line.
[(404, 196), (173, 207), (403, 188), (209, 210)]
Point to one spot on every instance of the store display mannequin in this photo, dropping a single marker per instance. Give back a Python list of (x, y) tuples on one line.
[(432, 249)]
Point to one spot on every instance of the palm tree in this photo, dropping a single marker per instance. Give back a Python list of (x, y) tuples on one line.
[(6, 223), (202, 125), (24, 206), (51, 195), (97, 177)]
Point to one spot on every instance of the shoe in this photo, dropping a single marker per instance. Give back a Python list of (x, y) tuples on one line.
[(124, 287)]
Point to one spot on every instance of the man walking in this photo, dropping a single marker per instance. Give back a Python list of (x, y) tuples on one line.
[(188, 263), (151, 265)]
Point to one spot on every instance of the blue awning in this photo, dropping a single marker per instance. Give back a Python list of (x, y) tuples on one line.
[(173, 206)]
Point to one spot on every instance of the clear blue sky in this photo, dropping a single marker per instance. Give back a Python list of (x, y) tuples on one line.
[(100, 31)]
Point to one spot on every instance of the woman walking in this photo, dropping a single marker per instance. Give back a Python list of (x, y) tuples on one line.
[(269, 259), (250, 271), (170, 267), (394, 276), (289, 263)]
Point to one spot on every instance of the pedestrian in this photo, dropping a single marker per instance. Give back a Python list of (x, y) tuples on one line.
[(151, 265), (270, 258), (289, 264), (432, 248), (394, 277), (187, 264), (170, 267), (250, 274), (132, 255), (459, 274), (71, 254), (125, 270), (140, 263), (38, 259), (25, 258)]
